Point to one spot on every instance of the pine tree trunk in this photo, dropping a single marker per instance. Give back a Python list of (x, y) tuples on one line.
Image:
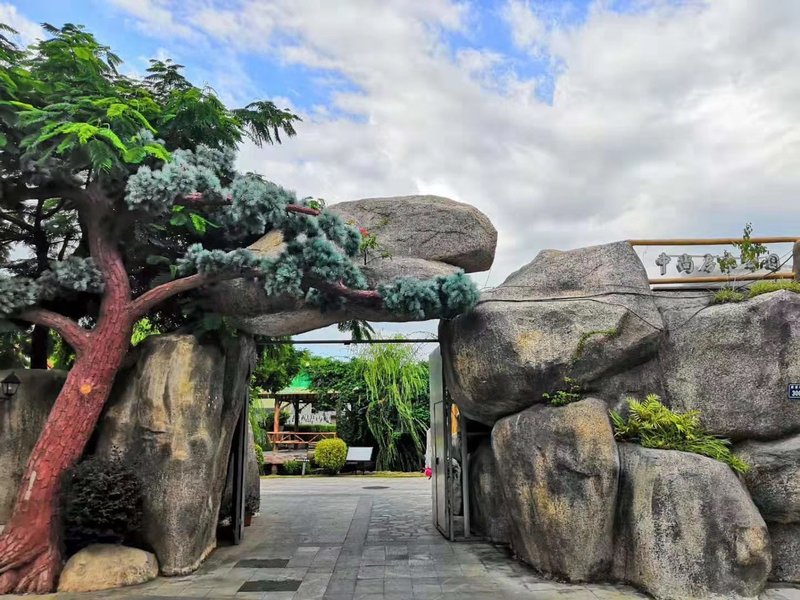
[(30, 557)]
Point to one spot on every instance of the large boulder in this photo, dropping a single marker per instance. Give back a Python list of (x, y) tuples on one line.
[(785, 551), (488, 513), (774, 477), (107, 566), (586, 314), (172, 416), (687, 528), (425, 236), (429, 227), (559, 470), (732, 362), (21, 420)]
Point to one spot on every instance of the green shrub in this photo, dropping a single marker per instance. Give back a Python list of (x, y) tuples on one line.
[(773, 285), (293, 467), (259, 456), (653, 425), (573, 393), (101, 502), (726, 294), (331, 455), (318, 427)]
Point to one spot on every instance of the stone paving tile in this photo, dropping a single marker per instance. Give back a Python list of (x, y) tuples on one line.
[(343, 542)]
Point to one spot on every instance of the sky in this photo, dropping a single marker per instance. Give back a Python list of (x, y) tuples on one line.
[(567, 123)]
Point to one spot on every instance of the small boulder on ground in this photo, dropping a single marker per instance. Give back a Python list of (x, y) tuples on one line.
[(559, 469), (774, 477), (107, 566), (687, 528), (785, 551)]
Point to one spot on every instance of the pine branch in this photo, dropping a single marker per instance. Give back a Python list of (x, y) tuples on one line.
[(75, 335)]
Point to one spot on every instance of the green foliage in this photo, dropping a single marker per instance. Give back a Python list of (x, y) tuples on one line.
[(653, 425), (445, 296), (725, 295), (583, 340), (292, 467), (318, 427), (101, 502), (750, 253), (359, 330), (277, 365), (331, 455), (397, 386), (773, 285), (259, 456), (572, 393)]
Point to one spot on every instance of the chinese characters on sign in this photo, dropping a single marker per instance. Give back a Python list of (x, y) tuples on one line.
[(726, 263)]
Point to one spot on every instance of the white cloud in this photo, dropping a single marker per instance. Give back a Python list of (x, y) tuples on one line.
[(156, 18), (27, 30), (665, 121)]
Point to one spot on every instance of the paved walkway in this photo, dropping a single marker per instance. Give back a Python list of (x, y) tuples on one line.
[(360, 538)]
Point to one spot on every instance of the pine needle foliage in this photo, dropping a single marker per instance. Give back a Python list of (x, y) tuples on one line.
[(398, 413), (653, 425)]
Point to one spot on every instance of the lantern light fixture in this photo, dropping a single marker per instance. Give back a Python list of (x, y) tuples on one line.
[(10, 385)]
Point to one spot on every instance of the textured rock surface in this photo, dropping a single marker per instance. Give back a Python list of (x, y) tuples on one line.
[(687, 529), (252, 476), (559, 476), (429, 227), (489, 516), (172, 415), (733, 363), (785, 551), (426, 236), (107, 566), (774, 477), (21, 420), (584, 314)]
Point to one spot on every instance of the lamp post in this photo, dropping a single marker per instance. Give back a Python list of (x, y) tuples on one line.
[(10, 385)]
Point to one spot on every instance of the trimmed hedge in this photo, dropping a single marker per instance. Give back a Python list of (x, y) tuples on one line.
[(331, 455)]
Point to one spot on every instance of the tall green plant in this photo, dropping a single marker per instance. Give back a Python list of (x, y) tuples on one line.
[(653, 425), (397, 415)]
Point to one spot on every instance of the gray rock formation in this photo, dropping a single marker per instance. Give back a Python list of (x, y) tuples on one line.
[(252, 476), (172, 416), (586, 314), (107, 566), (21, 421), (559, 477), (488, 513), (774, 477), (426, 236), (686, 528), (785, 551), (429, 227), (774, 484), (732, 362)]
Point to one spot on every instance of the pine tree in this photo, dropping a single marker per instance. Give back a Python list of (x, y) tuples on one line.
[(147, 167)]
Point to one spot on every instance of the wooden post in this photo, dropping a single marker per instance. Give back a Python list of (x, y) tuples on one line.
[(276, 425), (796, 260)]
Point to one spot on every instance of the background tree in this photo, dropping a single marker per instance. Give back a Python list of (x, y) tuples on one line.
[(99, 142)]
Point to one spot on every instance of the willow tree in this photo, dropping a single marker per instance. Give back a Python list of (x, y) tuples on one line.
[(157, 222)]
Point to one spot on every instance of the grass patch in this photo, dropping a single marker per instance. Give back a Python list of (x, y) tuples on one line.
[(653, 425), (726, 295), (572, 393), (773, 285)]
